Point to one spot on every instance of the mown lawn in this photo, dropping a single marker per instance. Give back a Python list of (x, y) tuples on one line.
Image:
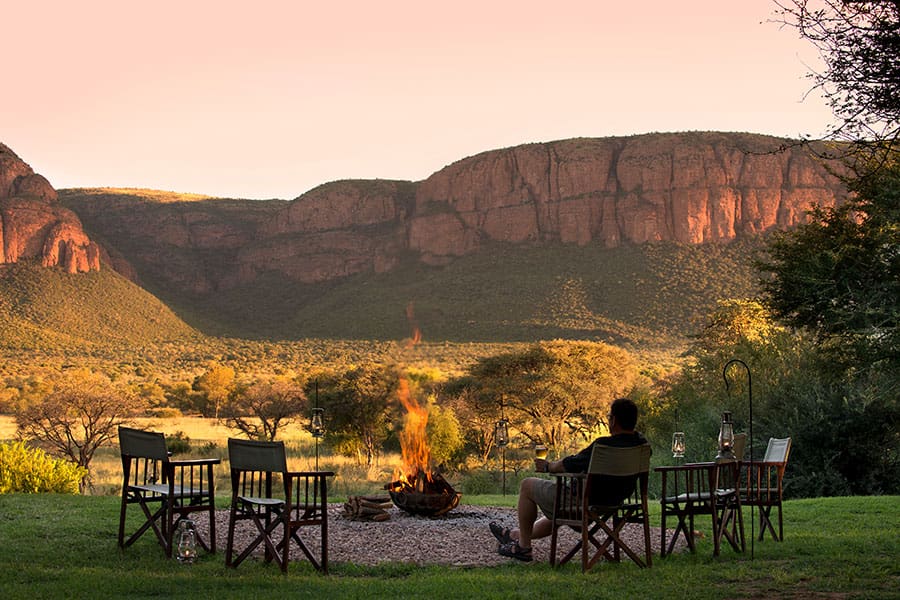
[(65, 547)]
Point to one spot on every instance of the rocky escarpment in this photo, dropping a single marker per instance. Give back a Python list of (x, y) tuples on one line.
[(690, 187), (34, 225)]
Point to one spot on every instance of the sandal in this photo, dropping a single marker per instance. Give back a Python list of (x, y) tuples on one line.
[(514, 550), (501, 533)]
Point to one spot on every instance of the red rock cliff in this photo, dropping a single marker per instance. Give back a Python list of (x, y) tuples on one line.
[(34, 225), (689, 187)]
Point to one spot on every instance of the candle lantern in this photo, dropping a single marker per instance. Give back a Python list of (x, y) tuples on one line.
[(726, 438), (502, 433), (678, 444), (185, 541), (317, 429)]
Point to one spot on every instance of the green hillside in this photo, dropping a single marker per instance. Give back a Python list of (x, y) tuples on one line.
[(645, 298), (48, 309), (635, 296)]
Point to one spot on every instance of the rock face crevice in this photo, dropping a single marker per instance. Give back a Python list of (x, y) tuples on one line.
[(34, 225), (690, 188)]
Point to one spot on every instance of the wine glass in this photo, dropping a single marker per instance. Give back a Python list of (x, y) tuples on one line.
[(540, 451)]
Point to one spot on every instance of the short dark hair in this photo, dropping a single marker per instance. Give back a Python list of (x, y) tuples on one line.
[(626, 413)]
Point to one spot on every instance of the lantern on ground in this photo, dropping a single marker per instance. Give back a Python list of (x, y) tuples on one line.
[(185, 541)]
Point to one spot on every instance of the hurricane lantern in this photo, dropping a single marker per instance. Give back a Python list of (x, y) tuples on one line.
[(185, 542), (726, 438), (678, 444), (502, 433)]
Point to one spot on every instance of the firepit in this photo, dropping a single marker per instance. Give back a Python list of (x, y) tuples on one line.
[(417, 488), (424, 495)]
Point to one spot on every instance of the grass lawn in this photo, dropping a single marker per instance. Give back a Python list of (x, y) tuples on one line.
[(55, 546)]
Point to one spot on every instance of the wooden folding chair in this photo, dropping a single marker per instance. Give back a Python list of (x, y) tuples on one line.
[(708, 488), (301, 501), (151, 479), (761, 485), (610, 468)]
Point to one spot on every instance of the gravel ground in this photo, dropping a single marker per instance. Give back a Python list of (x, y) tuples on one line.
[(459, 538)]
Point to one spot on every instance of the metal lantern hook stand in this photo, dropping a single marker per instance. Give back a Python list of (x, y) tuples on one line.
[(750, 400), (501, 434), (317, 424)]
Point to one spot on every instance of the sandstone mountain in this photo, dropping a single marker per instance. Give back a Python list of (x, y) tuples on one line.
[(33, 224), (689, 187)]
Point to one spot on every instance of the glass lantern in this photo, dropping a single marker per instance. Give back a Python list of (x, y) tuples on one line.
[(185, 542), (317, 423), (502, 433), (678, 444), (726, 438)]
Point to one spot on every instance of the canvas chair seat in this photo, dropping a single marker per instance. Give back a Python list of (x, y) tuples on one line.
[(601, 525)]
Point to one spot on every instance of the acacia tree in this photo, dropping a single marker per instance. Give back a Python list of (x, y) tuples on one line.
[(555, 392), (263, 409), (80, 415), (358, 407), (477, 415), (859, 43)]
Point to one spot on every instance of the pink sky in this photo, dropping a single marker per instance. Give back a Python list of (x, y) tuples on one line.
[(268, 99)]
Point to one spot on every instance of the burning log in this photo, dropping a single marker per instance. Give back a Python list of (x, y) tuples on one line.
[(424, 495), (367, 508)]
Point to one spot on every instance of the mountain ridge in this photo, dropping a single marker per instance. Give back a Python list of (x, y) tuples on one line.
[(688, 188)]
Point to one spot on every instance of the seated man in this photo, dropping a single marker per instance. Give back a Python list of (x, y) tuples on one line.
[(540, 493)]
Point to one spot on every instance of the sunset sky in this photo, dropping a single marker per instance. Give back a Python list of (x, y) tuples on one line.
[(271, 98)]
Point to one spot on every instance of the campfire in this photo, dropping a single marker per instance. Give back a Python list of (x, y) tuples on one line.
[(417, 488)]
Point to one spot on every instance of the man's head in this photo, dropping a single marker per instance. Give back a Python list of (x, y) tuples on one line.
[(623, 415)]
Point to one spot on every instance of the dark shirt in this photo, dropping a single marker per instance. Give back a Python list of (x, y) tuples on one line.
[(611, 490)]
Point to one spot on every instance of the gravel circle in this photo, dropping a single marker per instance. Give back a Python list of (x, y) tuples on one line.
[(460, 538)]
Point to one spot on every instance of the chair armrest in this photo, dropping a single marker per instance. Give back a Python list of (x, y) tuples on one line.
[(194, 462), (569, 475), (686, 467), (310, 473)]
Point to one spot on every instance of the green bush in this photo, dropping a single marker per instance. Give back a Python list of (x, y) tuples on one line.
[(178, 443), (33, 471)]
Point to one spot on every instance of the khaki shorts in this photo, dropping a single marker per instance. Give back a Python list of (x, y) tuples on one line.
[(545, 495)]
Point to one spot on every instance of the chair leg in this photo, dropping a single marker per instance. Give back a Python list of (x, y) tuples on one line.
[(648, 550), (780, 524), (554, 529), (662, 534), (122, 522)]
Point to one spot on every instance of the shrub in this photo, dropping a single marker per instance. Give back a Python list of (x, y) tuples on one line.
[(178, 443), (33, 471)]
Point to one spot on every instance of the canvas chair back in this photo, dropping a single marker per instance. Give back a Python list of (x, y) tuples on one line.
[(777, 451), (246, 455), (142, 444)]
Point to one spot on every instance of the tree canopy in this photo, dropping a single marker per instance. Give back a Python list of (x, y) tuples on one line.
[(839, 275), (859, 43)]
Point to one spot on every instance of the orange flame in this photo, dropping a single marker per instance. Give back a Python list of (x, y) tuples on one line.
[(413, 443)]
